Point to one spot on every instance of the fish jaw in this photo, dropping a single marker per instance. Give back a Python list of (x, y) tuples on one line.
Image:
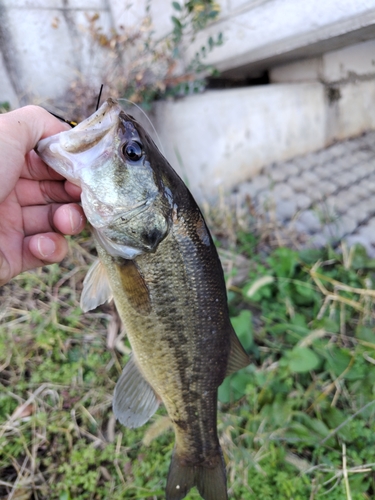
[(86, 156), (70, 152)]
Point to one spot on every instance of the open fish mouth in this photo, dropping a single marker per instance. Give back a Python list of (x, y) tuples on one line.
[(69, 152), (83, 156)]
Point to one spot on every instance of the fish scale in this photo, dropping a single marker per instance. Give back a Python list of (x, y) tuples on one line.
[(157, 259)]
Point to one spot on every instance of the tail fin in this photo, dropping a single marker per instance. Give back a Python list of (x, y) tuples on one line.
[(211, 482)]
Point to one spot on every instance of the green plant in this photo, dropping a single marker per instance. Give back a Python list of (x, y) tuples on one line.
[(296, 424), (310, 393), (142, 67)]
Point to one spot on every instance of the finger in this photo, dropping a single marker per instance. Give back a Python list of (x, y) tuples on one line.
[(67, 219), (39, 193), (26, 126), (20, 130), (36, 169), (73, 190), (42, 249)]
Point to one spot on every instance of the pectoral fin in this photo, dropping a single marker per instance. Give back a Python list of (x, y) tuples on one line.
[(238, 358), (96, 289), (134, 400)]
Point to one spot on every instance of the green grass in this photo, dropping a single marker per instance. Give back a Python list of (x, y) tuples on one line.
[(296, 424)]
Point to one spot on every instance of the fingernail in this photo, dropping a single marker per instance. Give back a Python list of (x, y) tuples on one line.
[(46, 246), (75, 220)]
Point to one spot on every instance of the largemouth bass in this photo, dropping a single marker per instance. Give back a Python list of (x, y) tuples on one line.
[(158, 261)]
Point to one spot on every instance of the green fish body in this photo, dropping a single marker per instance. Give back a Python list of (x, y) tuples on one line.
[(158, 261)]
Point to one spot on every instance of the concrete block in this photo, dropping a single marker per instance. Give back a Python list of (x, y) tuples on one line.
[(278, 173), (291, 169), (353, 113), (365, 155), (333, 170), (323, 172), (55, 49), (286, 210), (282, 192), (302, 200), (309, 178), (239, 132), (309, 220), (360, 212), (306, 162), (348, 224), (367, 232), (360, 191), (338, 149), (361, 171), (315, 193), (370, 184), (349, 62), (305, 70), (278, 31), (297, 184), (334, 231), (260, 183), (327, 188), (367, 206), (248, 189), (345, 200), (368, 168)]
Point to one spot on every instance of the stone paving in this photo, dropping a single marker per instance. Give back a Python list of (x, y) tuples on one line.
[(326, 196)]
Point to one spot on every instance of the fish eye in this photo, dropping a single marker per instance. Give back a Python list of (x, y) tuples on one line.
[(132, 150)]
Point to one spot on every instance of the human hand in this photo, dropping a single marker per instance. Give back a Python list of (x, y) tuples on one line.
[(36, 206)]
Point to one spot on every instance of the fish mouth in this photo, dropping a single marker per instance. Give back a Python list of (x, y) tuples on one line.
[(71, 151), (81, 155)]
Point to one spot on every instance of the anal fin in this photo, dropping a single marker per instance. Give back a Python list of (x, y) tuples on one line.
[(134, 400), (238, 358), (96, 288)]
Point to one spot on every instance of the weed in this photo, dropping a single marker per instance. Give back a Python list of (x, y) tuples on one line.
[(296, 424), (142, 67)]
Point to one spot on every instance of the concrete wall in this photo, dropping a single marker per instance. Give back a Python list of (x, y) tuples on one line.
[(221, 138), (322, 79), (45, 45), (348, 76), (259, 34), (354, 63)]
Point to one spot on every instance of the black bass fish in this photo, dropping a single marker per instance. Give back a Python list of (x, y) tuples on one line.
[(159, 263)]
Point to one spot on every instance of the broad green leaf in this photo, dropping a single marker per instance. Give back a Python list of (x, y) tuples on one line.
[(338, 360), (243, 327), (303, 359), (283, 262)]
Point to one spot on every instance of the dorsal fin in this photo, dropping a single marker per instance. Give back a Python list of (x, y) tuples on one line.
[(96, 288), (238, 358), (134, 400)]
